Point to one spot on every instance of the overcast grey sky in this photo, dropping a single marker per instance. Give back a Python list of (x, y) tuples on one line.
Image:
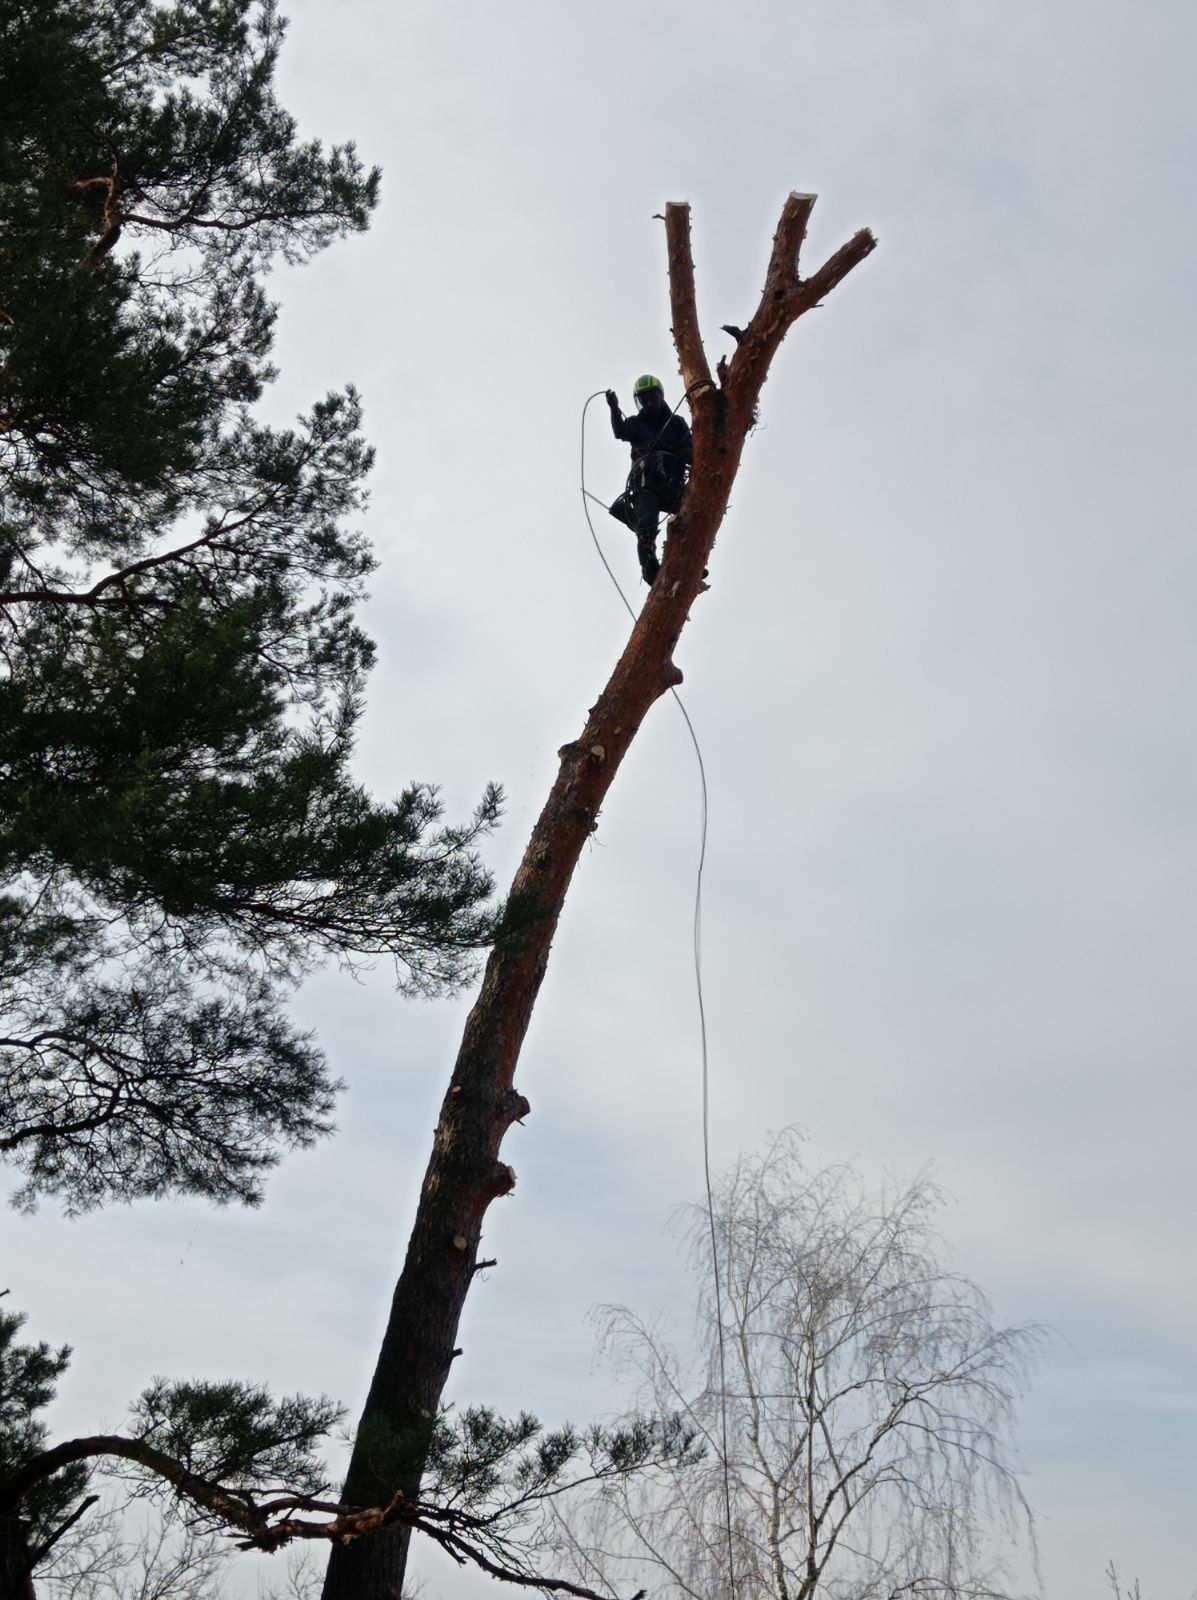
[(945, 682)]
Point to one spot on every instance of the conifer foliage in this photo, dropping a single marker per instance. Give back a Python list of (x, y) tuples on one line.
[(214, 1448), (29, 1374), (180, 666)]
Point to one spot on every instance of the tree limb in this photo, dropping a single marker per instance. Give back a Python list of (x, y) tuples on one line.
[(230, 1507), (80, 1511), (687, 337), (784, 299), (782, 275), (95, 595), (452, 1544)]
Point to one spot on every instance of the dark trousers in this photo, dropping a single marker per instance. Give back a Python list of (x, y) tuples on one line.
[(639, 507)]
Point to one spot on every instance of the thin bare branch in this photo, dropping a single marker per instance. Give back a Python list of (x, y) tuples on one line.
[(39, 1554), (833, 271)]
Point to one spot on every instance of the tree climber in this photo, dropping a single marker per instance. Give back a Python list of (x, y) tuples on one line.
[(662, 450)]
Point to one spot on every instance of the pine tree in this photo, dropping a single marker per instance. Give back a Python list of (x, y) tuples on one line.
[(29, 1374), (180, 667), (216, 1446)]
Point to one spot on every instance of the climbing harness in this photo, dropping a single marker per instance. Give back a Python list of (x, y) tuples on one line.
[(702, 1015)]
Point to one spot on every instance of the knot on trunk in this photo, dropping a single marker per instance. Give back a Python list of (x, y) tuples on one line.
[(500, 1182), (515, 1107)]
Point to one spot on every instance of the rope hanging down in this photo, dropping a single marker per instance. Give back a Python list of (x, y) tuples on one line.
[(702, 1015)]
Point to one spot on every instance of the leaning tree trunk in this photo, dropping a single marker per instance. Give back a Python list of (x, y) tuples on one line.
[(465, 1173)]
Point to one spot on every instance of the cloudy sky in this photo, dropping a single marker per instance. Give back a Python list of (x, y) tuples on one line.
[(944, 681)]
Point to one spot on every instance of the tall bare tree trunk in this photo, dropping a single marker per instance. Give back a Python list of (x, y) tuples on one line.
[(465, 1173)]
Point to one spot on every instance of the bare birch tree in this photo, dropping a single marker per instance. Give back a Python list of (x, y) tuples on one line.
[(106, 1558), (111, 1557), (869, 1401)]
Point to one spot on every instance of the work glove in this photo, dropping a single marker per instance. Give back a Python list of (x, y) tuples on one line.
[(613, 399)]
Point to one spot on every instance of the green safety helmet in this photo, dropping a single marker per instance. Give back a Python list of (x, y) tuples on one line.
[(644, 386)]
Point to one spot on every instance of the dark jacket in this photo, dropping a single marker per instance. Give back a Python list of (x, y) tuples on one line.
[(650, 434)]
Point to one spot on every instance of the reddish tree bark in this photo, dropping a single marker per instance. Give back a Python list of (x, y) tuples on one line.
[(465, 1172)]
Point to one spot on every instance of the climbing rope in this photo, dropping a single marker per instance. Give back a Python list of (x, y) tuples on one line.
[(702, 1015)]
